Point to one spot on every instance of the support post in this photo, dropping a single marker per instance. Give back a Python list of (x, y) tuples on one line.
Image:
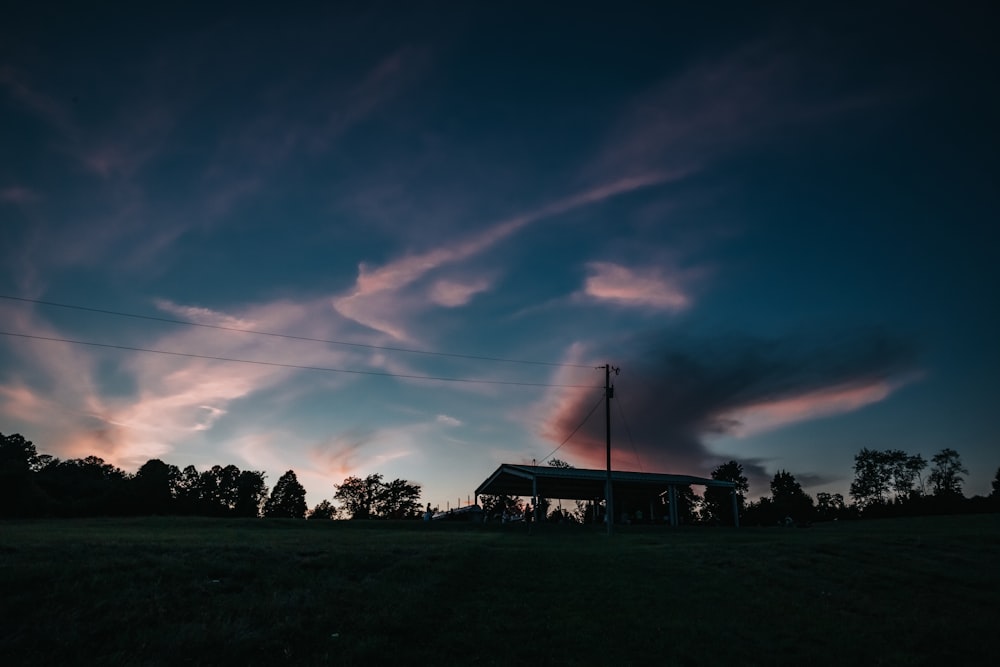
[(608, 493), (674, 515), (736, 509), (534, 496)]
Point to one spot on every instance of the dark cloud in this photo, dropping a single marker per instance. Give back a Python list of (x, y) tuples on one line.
[(677, 391)]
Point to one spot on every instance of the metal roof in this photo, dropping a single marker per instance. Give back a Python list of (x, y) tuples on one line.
[(581, 483)]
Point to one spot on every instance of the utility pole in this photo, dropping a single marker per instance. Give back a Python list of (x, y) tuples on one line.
[(609, 392)]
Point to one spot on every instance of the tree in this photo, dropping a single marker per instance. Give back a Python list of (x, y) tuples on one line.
[(218, 491), (829, 506), (996, 485), (903, 470), (187, 490), (788, 497), (323, 510), (19, 494), (871, 478), (17, 453), (154, 487), (359, 496), (399, 499), (718, 504), (251, 490), (85, 487), (946, 473), (495, 505), (288, 498), (877, 474)]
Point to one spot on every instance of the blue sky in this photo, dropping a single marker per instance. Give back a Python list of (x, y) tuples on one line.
[(780, 222)]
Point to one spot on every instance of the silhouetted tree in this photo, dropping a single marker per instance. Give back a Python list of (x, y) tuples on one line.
[(877, 474), (399, 499), (789, 499), (718, 504), (188, 491), (946, 473), (871, 478), (85, 487), (906, 471), (996, 485), (17, 453), (323, 510), (495, 505), (359, 496), (829, 506), (288, 498), (153, 487), (19, 494), (251, 490), (218, 490), (761, 512), (228, 487)]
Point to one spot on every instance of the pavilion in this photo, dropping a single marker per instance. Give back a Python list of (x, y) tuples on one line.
[(584, 484)]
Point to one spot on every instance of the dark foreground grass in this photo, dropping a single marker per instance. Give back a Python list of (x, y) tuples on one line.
[(196, 591)]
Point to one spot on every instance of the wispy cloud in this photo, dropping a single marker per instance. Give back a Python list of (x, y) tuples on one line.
[(447, 420), (368, 304), (771, 414), (173, 398), (390, 78), (203, 315), (719, 105), (451, 293), (646, 287)]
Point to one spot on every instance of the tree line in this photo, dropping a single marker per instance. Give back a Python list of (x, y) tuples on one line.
[(33, 484), (886, 483)]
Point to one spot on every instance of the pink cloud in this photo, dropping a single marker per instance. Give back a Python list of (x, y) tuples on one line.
[(648, 287), (364, 305), (769, 415), (175, 398), (203, 315), (451, 294)]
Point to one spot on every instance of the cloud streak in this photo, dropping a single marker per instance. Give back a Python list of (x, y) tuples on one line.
[(636, 287), (367, 303)]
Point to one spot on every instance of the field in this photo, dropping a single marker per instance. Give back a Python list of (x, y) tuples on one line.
[(169, 591)]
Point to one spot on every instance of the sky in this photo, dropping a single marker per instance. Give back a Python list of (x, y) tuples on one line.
[(778, 220)]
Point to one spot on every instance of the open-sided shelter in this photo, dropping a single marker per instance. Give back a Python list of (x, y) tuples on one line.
[(585, 484)]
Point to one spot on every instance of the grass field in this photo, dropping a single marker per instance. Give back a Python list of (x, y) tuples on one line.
[(169, 591)]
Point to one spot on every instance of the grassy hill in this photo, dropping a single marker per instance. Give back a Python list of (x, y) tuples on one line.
[(169, 591)]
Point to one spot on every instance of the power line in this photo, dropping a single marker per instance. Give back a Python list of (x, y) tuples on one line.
[(589, 414), (220, 327), (297, 366)]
